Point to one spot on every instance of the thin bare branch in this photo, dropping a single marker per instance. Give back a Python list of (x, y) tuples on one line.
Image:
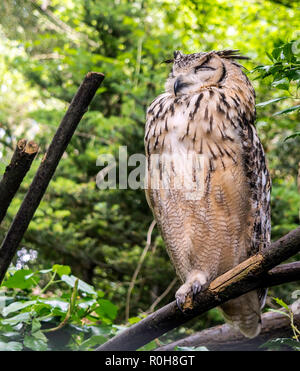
[(138, 268), (62, 26), (162, 296)]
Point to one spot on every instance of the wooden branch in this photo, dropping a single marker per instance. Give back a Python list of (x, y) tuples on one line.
[(62, 137), (250, 274), (224, 337), (283, 273), (15, 172), (138, 268)]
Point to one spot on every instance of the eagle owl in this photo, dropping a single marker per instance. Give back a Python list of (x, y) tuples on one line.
[(207, 182)]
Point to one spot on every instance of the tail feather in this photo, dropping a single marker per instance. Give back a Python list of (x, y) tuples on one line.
[(244, 313)]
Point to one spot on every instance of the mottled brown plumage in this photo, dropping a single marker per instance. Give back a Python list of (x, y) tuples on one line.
[(207, 181)]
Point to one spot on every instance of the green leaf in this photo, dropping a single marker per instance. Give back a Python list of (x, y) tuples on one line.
[(270, 56), (56, 303), (70, 280), (263, 104), (42, 309), (281, 84), (288, 110), (93, 341), (11, 346), (277, 343), (295, 47), (44, 271), (20, 280), (106, 309), (149, 346), (282, 303), (39, 335), (276, 53), (287, 51), (61, 269), (22, 317), (33, 343), (85, 304), (3, 300), (8, 330), (100, 293), (292, 135), (133, 320), (16, 306), (36, 325), (103, 330)]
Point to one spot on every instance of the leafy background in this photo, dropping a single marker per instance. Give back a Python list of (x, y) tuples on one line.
[(46, 48)]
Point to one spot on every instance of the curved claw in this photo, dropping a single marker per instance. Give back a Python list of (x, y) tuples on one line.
[(178, 302), (196, 287)]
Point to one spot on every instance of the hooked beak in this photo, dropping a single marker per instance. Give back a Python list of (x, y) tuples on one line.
[(179, 85)]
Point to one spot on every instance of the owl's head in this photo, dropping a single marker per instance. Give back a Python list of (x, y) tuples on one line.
[(193, 72)]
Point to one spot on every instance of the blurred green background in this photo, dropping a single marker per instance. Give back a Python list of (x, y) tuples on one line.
[(47, 47)]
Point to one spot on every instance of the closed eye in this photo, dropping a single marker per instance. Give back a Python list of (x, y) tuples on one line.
[(203, 67)]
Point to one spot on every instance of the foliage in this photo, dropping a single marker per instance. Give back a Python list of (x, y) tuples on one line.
[(50, 309), (285, 73), (294, 342)]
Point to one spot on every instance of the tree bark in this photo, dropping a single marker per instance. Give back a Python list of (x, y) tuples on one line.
[(250, 274), (15, 172), (62, 137), (225, 338)]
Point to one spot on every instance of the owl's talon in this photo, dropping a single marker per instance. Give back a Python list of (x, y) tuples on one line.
[(178, 302), (196, 287)]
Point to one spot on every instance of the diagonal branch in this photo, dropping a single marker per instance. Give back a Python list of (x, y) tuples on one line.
[(249, 275), (60, 141), (59, 25), (15, 173)]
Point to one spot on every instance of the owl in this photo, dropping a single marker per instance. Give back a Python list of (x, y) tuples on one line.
[(207, 181)]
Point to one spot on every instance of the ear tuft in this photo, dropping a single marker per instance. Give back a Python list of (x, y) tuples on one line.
[(231, 54), (177, 54)]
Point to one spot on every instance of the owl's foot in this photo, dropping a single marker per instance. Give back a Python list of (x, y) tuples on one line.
[(195, 283)]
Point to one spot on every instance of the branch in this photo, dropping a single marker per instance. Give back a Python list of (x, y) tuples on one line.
[(225, 338), (62, 137), (138, 268), (162, 296), (15, 173), (69, 312), (249, 275), (62, 26), (288, 3)]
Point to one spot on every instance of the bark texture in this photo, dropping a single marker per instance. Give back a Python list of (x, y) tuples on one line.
[(15, 172)]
